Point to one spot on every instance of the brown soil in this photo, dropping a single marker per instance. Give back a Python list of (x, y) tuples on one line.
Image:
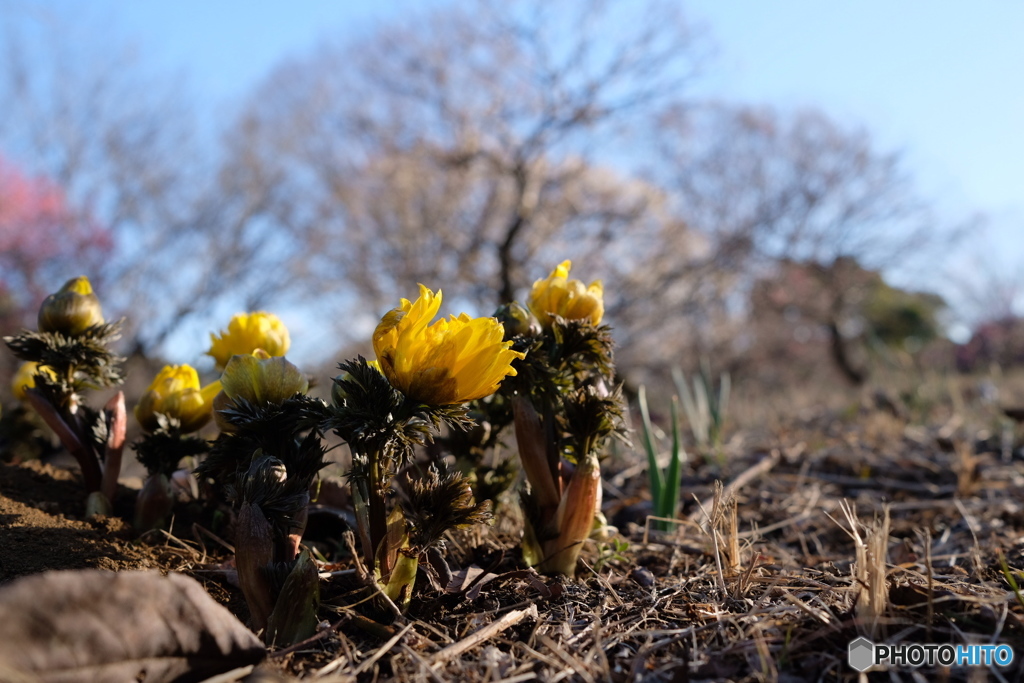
[(775, 596), (41, 527)]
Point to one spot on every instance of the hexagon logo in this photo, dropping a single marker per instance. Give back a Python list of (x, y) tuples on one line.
[(861, 654)]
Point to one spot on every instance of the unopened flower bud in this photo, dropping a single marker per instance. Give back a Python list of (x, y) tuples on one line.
[(517, 320), (294, 615), (175, 392), (72, 310), (569, 299), (278, 470), (259, 379), (338, 392), (254, 552)]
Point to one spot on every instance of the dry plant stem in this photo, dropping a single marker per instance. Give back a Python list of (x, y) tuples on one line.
[(533, 454), (574, 519), (294, 538), (91, 474), (422, 663), (383, 650), (377, 509), (870, 569), (115, 445), (931, 582), (153, 503), (730, 523), (744, 478), (254, 550), (486, 633)]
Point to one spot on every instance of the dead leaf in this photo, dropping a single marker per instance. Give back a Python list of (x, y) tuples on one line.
[(472, 579), (535, 581), (467, 578), (94, 625)]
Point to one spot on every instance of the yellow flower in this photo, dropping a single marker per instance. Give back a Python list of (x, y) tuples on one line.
[(247, 332), (570, 299), (72, 309), (25, 378), (175, 392), (452, 361)]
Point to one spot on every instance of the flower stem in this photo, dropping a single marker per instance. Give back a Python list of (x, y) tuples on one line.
[(91, 473), (377, 510), (115, 445)]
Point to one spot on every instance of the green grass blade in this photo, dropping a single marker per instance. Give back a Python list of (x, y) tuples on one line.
[(702, 430), (1010, 579), (689, 405), (653, 471), (674, 474), (724, 388), (722, 405)]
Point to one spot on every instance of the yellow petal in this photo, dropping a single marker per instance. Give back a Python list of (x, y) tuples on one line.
[(247, 332), (570, 299), (451, 361), (175, 392), (261, 379)]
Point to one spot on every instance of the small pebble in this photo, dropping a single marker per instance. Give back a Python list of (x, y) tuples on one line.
[(642, 576)]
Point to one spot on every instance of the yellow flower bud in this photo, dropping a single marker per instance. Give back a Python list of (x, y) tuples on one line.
[(72, 310), (570, 299), (259, 379), (175, 392), (25, 378), (444, 363), (247, 332)]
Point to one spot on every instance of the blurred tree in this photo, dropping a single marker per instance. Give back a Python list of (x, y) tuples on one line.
[(40, 235), (472, 148), (126, 145), (793, 314), (114, 142), (997, 342), (988, 285), (902, 319), (774, 190)]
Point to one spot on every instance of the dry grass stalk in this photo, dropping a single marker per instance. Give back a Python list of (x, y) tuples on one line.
[(731, 533), (764, 662), (725, 530), (760, 468), (494, 628), (869, 569), (966, 468), (669, 520)]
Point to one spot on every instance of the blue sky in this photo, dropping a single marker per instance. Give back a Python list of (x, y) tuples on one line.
[(941, 80)]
